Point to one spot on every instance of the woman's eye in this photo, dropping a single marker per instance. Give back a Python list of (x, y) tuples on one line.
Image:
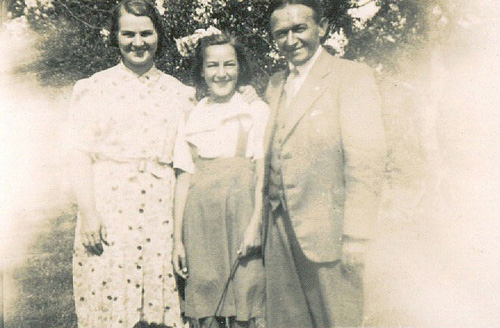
[(147, 33), (127, 34)]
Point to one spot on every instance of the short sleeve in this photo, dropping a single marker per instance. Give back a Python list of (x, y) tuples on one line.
[(187, 95), (82, 118), (182, 154), (261, 114)]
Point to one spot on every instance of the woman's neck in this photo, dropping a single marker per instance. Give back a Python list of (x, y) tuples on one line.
[(139, 70)]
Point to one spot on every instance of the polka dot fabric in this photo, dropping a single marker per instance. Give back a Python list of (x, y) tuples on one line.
[(132, 281)]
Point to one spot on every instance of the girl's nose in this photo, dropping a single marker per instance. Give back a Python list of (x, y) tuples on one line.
[(221, 71)]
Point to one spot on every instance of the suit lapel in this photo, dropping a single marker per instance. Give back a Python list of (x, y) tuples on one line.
[(274, 104), (310, 91)]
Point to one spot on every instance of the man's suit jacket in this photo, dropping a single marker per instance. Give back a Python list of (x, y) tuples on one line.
[(332, 154)]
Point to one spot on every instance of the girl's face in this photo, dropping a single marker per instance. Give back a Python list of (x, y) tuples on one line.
[(220, 71), (138, 41)]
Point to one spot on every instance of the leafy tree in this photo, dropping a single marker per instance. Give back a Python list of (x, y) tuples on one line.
[(73, 42)]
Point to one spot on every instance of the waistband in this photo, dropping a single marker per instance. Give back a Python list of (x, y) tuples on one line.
[(154, 166)]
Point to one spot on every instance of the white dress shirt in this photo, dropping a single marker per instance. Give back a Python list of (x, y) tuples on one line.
[(298, 75)]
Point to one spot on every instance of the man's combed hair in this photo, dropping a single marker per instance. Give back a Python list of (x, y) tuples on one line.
[(315, 5)]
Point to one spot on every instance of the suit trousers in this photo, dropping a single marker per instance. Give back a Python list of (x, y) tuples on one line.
[(301, 293)]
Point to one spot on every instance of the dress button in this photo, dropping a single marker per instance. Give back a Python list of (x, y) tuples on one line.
[(141, 210)]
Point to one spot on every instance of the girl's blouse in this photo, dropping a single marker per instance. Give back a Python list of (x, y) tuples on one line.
[(213, 128), (121, 116)]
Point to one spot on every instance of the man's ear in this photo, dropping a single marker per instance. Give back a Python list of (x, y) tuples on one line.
[(323, 27)]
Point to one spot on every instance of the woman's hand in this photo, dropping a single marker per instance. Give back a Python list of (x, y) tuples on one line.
[(179, 260), (93, 233), (251, 239)]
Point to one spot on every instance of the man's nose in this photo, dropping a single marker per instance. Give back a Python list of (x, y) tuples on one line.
[(290, 38)]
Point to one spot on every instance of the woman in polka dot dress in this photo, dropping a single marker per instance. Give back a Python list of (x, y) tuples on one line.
[(124, 125)]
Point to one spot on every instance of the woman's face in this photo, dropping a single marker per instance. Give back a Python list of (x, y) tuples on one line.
[(138, 41), (220, 71)]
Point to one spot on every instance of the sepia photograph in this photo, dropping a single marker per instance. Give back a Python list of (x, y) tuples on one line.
[(249, 163)]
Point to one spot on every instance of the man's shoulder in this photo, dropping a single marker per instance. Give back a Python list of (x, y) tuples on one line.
[(348, 67)]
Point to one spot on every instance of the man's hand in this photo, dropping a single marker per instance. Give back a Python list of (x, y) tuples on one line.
[(249, 94), (353, 258), (93, 233)]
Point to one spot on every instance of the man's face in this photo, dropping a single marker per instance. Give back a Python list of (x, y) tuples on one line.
[(296, 32)]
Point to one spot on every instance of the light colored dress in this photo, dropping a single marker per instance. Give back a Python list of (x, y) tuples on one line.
[(129, 125), (226, 139)]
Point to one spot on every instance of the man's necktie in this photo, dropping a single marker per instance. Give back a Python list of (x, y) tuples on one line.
[(290, 86)]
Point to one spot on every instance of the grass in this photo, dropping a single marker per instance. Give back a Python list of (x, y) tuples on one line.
[(45, 298)]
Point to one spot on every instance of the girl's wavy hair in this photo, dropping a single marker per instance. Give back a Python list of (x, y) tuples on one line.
[(244, 71), (138, 8)]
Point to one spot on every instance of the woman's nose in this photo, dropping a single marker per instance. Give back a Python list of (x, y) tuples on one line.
[(137, 41)]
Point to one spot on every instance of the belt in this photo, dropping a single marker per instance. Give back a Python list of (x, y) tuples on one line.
[(154, 166)]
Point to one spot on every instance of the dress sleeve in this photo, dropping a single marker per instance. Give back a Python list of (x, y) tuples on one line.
[(182, 154), (83, 128), (260, 116)]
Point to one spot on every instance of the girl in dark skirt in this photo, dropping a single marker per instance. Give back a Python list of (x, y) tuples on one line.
[(217, 213)]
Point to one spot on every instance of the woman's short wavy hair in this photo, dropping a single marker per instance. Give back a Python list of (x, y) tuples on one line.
[(244, 72), (138, 8)]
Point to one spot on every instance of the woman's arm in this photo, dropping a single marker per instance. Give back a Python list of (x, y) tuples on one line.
[(92, 230), (251, 238), (180, 197)]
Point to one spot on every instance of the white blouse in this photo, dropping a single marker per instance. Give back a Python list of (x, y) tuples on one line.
[(213, 128)]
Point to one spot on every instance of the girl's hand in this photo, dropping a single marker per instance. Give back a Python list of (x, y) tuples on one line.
[(93, 233), (251, 239), (179, 260)]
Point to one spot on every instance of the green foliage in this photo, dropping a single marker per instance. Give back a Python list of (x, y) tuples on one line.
[(398, 30), (72, 46)]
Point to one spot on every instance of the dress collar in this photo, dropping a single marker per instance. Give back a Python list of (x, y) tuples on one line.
[(127, 74)]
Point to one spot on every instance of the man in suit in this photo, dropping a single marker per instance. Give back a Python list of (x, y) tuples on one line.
[(323, 175)]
